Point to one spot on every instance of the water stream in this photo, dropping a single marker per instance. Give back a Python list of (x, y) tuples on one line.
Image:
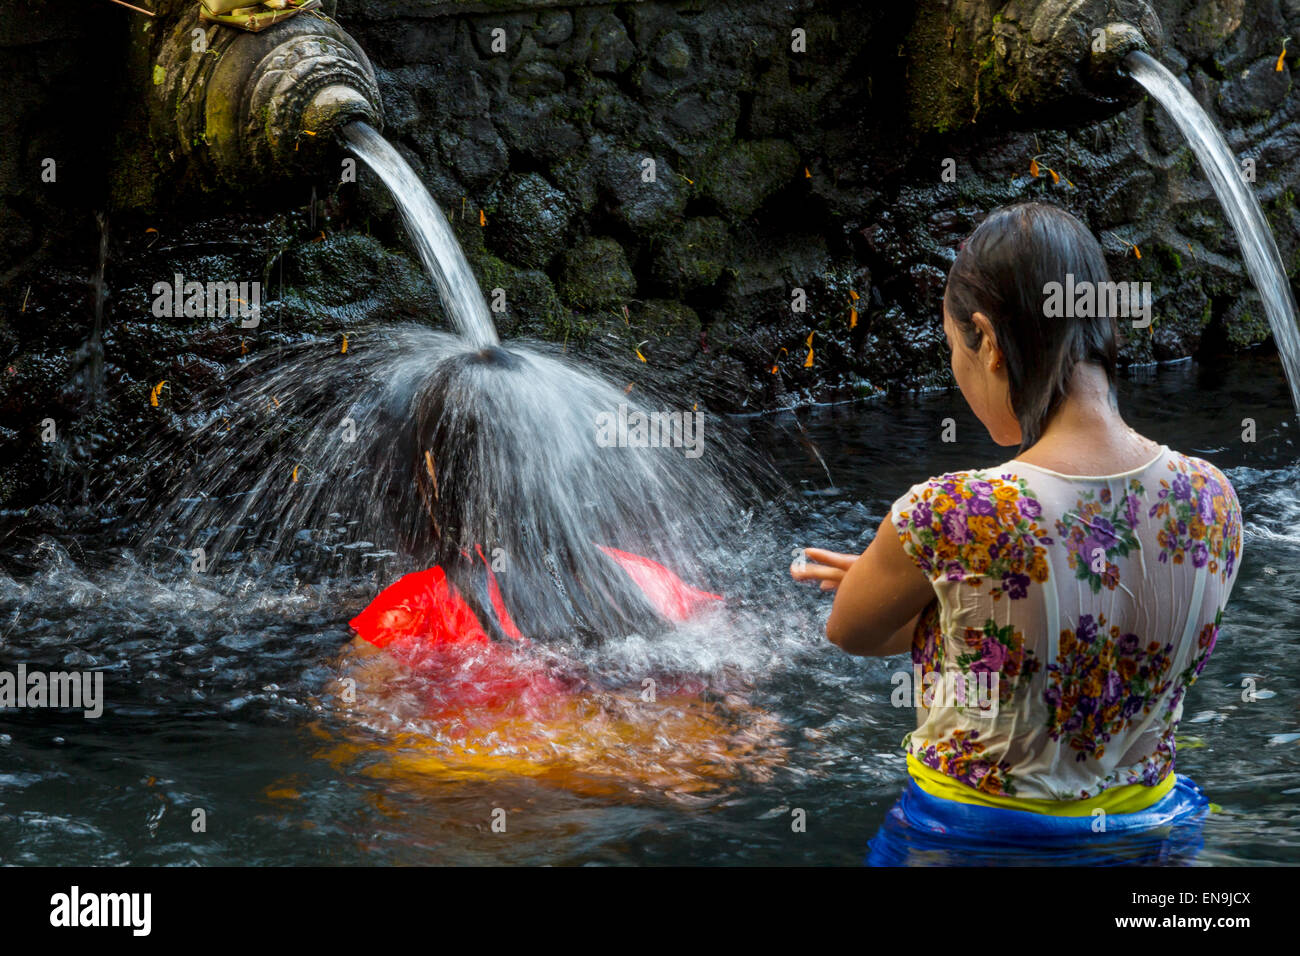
[(1263, 261), (425, 447), (431, 233)]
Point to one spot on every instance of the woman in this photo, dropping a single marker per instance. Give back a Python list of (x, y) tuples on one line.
[(1057, 606), (475, 666), (467, 474)]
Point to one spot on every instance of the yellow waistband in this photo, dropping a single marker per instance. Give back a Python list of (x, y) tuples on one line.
[(1125, 799)]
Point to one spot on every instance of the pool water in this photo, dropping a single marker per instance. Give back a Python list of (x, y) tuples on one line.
[(765, 745)]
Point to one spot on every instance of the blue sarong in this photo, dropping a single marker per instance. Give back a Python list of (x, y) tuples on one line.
[(923, 830)]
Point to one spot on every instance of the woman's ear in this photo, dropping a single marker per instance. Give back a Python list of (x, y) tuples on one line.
[(990, 354)]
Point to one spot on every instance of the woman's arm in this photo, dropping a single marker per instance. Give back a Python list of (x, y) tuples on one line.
[(877, 600)]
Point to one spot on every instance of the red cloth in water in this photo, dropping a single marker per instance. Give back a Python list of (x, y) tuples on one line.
[(498, 605), (421, 604), (671, 596), (425, 606), (426, 625)]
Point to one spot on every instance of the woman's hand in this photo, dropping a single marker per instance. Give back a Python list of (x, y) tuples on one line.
[(828, 567), (878, 593)]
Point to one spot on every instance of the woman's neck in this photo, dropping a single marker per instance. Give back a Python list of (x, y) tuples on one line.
[(1086, 434)]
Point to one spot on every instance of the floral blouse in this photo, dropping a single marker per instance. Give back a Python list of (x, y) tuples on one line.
[(1072, 614)]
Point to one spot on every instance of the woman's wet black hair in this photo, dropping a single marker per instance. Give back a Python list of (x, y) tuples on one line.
[(1003, 271), (457, 431)]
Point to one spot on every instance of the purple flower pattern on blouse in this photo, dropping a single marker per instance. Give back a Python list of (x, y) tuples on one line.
[(983, 540)]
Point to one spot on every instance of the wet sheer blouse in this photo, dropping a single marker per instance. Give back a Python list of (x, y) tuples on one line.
[(1071, 615)]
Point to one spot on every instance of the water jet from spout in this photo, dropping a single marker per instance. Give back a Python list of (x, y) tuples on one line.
[(1263, 261), (431, 233)]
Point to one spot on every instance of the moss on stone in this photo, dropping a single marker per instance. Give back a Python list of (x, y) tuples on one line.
[(665, 331), (745, 174), (693, 256), (327, 282), (531, 304), (935, 103), (595, 274), (530, 219), (1243, 327)]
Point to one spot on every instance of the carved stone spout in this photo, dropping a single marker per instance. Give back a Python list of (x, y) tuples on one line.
[(250, 107)]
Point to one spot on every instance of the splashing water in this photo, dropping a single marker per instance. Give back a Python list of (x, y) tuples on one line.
[(431, 233), (416, 448), (412, 443), (94, 347), (453, 451), (232, 701), (1263, 261)]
